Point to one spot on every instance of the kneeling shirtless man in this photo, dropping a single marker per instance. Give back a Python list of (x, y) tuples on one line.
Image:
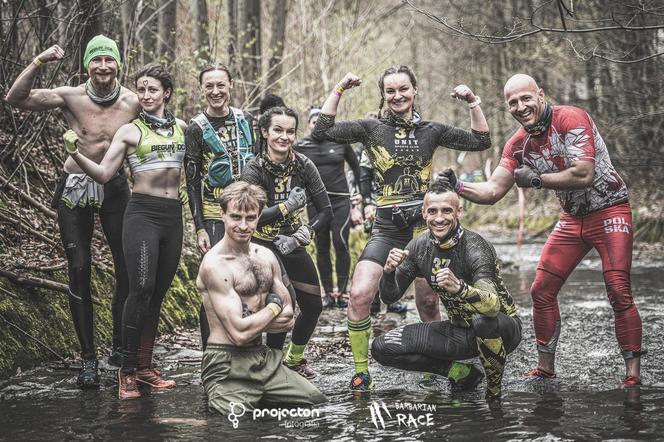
[(244, 296)]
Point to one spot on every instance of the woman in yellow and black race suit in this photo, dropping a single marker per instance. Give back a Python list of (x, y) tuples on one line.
[(399, 146), (289, 179)]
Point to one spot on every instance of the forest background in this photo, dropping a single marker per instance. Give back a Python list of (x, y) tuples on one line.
[(604, 56)]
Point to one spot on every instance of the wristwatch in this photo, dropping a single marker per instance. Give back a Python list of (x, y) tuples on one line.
[(536, 182)]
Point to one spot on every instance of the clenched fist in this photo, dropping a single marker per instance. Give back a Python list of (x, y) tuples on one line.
[(395, 258)]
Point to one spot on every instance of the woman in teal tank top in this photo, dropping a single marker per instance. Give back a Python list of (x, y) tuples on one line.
[(153, 144)]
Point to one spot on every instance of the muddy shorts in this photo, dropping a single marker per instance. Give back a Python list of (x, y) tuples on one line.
[(249, 375)]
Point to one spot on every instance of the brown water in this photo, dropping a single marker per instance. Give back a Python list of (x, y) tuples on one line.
[(583, 403)]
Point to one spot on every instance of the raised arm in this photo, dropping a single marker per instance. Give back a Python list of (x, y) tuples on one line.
[(127, 136), (399, 272), (340, 132), (227, 305), (488, 192), (23, 96), (477, 121)]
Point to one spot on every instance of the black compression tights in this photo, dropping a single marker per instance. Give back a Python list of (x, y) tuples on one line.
[(339, 228), (76, 227), (152, 243), (215, 231), (433, 346)]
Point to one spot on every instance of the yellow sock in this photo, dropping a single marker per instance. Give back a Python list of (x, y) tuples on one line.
[(359, 333), (295, 354)]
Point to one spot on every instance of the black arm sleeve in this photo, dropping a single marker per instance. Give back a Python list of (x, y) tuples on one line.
[(461, 139), (340, 132), (394, 285), (316, 190), (353, 162), (252, 174), (193, 167)]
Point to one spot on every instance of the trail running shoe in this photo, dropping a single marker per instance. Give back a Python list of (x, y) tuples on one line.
[(397, 307), (543, 374), (361, 382), (630, 381), (88, 377), (342, 299), (470, 382), (115, 358), (328, 301), (152, 377), (127, 386), (302, 368)]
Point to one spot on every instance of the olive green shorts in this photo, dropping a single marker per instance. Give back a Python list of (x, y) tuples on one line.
[(249, 375)]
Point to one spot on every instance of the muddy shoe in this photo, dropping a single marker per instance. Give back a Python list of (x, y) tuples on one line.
[(127, 386), (542, 374), (152, 377), (342, 300), (470, 382), (88, 377), (115, 358), (397, 307), (328, 301), (361, 382), (630, 381), (302, 368)]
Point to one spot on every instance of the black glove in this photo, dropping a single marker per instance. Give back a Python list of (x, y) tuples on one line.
[(446, 178), (274, 299), (297, 199), (524, 176), (286, 244)]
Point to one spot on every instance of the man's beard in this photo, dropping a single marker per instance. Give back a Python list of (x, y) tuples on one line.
[(104, 87)]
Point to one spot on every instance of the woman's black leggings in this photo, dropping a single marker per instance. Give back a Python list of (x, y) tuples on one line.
[(152, 241), (76, 227), (339, 229), (302, 274)]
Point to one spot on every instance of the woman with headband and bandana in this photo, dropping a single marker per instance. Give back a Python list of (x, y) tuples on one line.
[(399, 146), (153, 144), (94, 110), (329, 158)]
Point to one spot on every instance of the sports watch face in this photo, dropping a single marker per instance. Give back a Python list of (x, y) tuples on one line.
[(536, 182)]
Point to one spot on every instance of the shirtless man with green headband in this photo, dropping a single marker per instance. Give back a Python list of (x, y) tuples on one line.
[(94, 110)]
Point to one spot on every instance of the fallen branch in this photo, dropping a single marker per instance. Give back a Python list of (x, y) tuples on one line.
[(37, 340), (34, 282), (48, 212), (22, 222)]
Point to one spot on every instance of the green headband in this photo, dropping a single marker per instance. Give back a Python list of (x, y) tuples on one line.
[(101, 45)]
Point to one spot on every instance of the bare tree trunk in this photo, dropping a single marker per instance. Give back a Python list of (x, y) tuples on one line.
[(249, 45), (278, 37), (90, 12), (231, 14), (167, 30), (200, 29)]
